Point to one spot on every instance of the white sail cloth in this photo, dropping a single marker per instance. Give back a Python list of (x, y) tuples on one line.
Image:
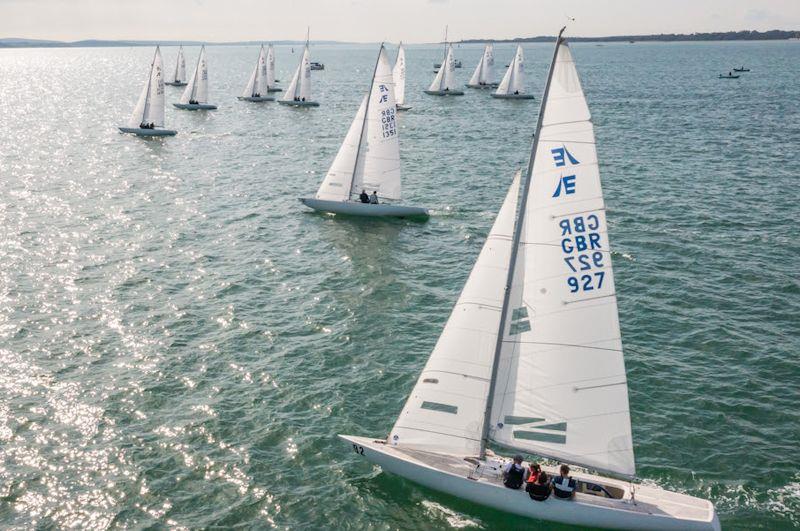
[(197, 88), (399, 76), (257, 84), (300, 87), (369, 157), (180, 67), (484, 72), (150, 106), (513, 82), (446, 77), (561, 388), (270, 66), (445, 411)]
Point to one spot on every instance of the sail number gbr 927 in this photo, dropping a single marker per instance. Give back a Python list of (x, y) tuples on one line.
[(580, 243)]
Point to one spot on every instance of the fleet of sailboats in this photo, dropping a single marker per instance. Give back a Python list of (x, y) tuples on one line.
[(257, 88), (148, 115), (195, 95), (369, 159), (512, 87), (531, 357)]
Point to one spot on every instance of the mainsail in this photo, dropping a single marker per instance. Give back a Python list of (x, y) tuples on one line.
[(300, 87), (512, 82), (257, 84), (180, 67), (399, 76), (444, 412), (197, 89), (531, 357), (445, 78), (484, 72), (270, 67), (369, 157), (150, 107)]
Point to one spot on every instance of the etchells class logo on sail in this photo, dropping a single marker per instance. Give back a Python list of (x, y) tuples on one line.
[(566, 183), (536, 429)]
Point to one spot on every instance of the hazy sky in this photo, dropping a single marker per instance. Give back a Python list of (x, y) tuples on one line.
[(373, 20)]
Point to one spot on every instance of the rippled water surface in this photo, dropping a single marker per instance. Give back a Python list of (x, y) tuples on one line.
[(180, 340)]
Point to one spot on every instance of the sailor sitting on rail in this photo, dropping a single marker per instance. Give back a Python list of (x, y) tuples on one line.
[(564, 486), (514, 473)]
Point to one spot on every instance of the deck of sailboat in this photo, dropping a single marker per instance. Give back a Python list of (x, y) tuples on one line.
[(652, 507)]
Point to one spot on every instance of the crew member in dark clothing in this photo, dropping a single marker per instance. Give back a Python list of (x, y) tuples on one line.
[(564, 486), (363, 196), (514, 473), (540, 490)]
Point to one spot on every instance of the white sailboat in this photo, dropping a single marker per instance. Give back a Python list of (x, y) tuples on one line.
[(195, 96), (369, 158), (179, 76), (256, 88), (298, 93), (531, 357), (483, 77), (444, 84), (271, 81), (148, 115), (512, 87), (399, 77)]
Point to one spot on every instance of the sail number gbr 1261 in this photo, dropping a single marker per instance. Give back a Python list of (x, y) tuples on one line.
[(582, 246)]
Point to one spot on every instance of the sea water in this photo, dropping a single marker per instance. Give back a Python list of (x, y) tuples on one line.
[(181, 340)]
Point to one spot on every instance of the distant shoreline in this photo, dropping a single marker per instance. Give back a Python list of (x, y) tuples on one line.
[(772, 35)]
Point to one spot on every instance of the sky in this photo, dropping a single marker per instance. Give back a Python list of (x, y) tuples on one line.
[(413, 21)]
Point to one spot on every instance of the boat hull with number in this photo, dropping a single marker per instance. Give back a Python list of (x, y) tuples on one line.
[(480, 482), (352, 208)]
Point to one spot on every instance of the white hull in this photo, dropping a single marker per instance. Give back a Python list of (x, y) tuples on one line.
[(445, 92), (148, 132), (195, 106), (352, 208), (299, 103), (256, 99), (513, 96), (654, 508)]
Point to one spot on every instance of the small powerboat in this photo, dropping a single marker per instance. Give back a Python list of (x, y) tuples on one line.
[(728, 76)]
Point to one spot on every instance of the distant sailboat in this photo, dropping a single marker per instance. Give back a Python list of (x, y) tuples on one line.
[(179, 77), (399, 77), (195, 96), (369, 158), (512, 87), (148, 115), (531, 357), (298, 93), (271, 81), (483, 77), (444, 84), (256, 88)]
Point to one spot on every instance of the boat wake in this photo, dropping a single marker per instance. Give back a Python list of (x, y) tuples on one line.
[(454, 519)]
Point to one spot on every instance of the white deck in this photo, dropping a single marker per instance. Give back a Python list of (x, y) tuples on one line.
[(653, 508)]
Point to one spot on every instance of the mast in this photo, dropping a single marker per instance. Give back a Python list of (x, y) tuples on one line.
[(364, 123), (514, 250)]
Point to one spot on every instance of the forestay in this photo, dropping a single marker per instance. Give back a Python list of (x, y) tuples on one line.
[(300, 87), (445, 78), (512, 82), (257, 84), (561, 389), (180, 67), (197, 89), (399, 76), (444, 412), (484, 72), (150, 107), (369, 157)]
